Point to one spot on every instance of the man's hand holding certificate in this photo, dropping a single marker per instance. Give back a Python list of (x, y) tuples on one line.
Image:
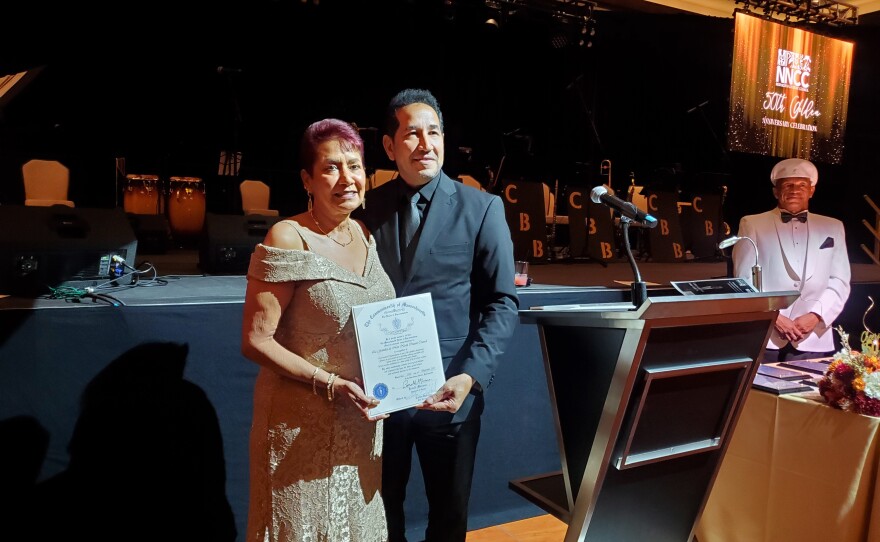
[(399, 350)]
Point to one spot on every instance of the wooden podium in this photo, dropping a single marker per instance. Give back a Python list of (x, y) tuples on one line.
[(645, 401)]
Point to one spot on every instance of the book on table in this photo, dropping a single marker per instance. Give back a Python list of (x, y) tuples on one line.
[(810, 366), (782, 373), (778, 385)]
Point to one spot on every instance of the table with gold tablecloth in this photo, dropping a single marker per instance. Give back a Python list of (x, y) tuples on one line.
[(796, 470)]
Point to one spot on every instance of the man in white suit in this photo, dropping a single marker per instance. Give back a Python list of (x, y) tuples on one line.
[(797, 254)]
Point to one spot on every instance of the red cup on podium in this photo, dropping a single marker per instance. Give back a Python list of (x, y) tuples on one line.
[(521, 278)]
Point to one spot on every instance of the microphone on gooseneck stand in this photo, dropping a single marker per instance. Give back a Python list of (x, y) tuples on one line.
[(600, 195), (639, 289), (628, 214), (756, 269)]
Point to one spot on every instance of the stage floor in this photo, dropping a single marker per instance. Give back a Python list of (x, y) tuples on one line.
[(616, 274), (229, 288)]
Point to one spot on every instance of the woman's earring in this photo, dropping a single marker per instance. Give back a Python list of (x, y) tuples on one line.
[(310, 201), (364, 202)]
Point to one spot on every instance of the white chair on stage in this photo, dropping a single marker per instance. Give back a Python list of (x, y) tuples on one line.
[(470, 181), (255, 198), (550, 207), (45, 183), (381, 176), (637, 198)]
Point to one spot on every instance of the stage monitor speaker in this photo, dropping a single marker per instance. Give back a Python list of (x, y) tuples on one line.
[(42, 248), (153, 232), (229, 240)]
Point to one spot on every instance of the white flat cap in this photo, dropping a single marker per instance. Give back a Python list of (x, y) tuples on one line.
[(794, 167)]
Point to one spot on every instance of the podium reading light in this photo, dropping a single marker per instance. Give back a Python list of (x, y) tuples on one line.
[(756, 269)]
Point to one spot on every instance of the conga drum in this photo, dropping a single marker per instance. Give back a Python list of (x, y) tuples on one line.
[(186, 207), (141, 194)]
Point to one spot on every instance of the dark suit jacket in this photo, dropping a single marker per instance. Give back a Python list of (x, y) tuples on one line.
[(464, 258)]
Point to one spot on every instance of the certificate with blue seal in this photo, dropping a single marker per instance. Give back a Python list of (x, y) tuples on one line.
[(399, 348)]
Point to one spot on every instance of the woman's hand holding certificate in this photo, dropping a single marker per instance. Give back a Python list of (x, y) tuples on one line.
[(363, 402), (400, 354)]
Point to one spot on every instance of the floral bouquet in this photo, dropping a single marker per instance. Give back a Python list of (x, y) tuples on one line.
[(852, 381)]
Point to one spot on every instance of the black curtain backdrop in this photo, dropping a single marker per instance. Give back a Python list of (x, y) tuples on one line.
[(144, 84)]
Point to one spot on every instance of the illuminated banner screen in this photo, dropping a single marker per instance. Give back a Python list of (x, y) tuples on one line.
[(789, 91)]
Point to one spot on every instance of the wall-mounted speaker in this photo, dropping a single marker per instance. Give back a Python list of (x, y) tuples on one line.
[(45, 247), (229, 240)]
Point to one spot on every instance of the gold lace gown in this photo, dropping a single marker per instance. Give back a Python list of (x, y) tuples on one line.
[(315, 465)]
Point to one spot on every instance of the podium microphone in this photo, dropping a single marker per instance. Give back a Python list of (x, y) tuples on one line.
[(629, 213), (600, 195), (756, 269)]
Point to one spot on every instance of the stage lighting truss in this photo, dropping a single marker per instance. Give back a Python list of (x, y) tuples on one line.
[(805, 11), (573, 19), (568, 11)]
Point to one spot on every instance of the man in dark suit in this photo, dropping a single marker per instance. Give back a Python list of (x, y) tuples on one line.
[(437, 235)]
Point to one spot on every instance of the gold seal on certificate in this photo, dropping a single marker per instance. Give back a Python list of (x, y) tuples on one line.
[(399, 350)]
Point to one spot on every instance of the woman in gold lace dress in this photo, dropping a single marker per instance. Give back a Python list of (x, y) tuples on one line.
[(315, 453)]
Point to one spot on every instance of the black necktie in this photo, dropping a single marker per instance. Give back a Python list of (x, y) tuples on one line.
[(788, 217), (409, 220)]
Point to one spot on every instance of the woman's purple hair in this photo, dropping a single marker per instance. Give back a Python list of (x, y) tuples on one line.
[(327, 130)]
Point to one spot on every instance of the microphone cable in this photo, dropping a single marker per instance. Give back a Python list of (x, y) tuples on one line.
[(75, 295), (101, 292)]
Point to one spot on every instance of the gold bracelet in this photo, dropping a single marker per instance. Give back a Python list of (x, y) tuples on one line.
[(330, 380), (314, 386)]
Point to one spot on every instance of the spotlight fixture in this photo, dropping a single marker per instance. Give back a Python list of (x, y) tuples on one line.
[(496, 14), (588, 31), (449, 10)]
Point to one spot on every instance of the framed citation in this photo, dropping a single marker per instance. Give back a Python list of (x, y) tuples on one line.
[(399, 350)]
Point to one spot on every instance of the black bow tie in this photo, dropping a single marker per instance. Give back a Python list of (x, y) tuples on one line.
[(788, 217)]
